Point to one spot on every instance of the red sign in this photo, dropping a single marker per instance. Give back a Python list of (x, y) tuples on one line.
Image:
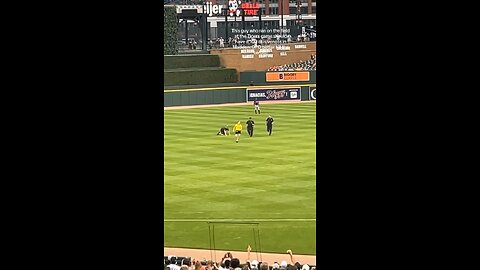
[(250, 9)]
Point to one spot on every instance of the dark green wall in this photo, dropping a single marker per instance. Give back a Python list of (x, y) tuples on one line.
[(203, 97), (215, 96), (199, 76), (304, 93), (196, 70), (191, 61)]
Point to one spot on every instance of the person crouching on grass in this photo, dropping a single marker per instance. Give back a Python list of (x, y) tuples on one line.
[(238, 130), (224, 131)]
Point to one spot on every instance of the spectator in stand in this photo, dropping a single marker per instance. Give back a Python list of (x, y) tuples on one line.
[(230, 263), (235, 263), (211, 265), (289, 252), (301, 65), (187, 262), (227, 264), (254, 264), (226, 260), (291, 267), (297, 264), (222, 267), (172, 263), (198, 266), (248, 253)]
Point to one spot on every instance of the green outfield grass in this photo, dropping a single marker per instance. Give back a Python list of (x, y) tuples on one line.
[(265, 179)]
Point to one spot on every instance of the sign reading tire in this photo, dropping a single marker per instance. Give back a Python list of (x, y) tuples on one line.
[(313, 93)]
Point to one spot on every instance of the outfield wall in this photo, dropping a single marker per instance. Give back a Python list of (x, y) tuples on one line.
[(225, 95)]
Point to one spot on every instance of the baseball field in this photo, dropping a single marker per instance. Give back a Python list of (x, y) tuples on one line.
[(261, 191)]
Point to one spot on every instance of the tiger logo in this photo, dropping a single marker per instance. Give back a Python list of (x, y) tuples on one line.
[(233, 7)]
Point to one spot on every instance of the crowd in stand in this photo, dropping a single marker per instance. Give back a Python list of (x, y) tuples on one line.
[(309, 65), (229, 262), (183, 2)]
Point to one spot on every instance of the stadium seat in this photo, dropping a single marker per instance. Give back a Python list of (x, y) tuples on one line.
[(307, 65)]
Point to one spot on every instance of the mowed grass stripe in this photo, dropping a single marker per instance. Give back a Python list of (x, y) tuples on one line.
[(241, 220), (264, 177)]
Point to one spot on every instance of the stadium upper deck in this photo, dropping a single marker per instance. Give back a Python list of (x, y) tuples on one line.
[(273, 11)]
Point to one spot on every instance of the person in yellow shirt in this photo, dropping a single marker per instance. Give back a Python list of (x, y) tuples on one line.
[(238, 130)]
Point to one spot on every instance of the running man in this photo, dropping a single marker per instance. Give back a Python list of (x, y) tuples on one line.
[(250, 124), (256, 103), (269, 123), (224, 131), (238, 130)]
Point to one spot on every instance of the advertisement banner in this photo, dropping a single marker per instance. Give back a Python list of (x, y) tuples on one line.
[(313, 93), (291, 76), (273, 94), (233, 8)]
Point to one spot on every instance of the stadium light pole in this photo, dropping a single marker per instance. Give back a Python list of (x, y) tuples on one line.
[(281, 17), (186, 31), (204, 23), (260, 22), (202, 28), (206, 31), (226, 24), (243, 18)]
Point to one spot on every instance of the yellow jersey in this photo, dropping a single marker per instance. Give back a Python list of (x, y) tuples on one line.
[(237, 127)]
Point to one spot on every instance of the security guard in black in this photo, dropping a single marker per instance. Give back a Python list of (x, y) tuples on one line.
[(250, 124), (269, 121)]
